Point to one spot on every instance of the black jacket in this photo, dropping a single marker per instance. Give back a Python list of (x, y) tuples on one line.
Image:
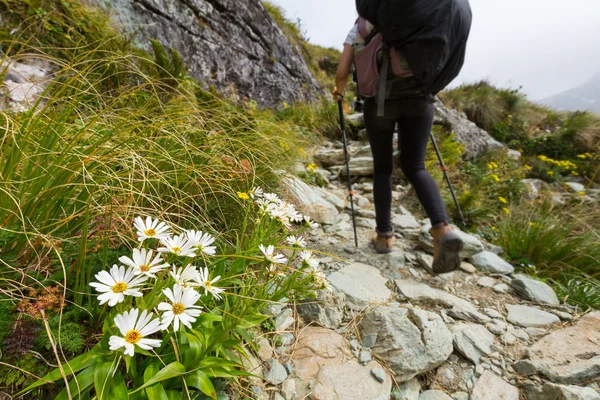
[(431, 34)]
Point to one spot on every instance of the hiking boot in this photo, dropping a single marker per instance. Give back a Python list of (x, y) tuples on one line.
[(383, 241), (446, 248)]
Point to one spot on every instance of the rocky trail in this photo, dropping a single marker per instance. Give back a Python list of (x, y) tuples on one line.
[(388, 329)]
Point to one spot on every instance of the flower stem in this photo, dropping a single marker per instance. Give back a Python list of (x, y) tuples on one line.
[(60, 368)]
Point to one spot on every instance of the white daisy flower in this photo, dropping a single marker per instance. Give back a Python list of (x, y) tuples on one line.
[(182, 307), (117, 284), (256, 192), (308, 258), (311, 224), (151, 228), (143, 264), (321, 280), (263, 205), (134, 331), (184, 275), (201, 241), (178, 245), (272, 198), (204, 281), (269, 251), (296, 241), (279, 215)]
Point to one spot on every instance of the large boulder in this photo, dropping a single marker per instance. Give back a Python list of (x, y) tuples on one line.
[(411, 341), (324, 362), (362, 284), (567, 356), (552, 391), (310, 201), (460, 308), (476, 140), (529, 317), (492, 263), (531, 289), (224, 43), (330, 157)]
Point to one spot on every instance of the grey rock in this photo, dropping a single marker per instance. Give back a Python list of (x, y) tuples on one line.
[(405, 223), (409, 390), (472, 244), (490, 262), (366, 223), (551, 391), (362, 284), (501, 288), (288, 388), (486, 281), (520, 334), (327, 309), (330, 157), (378, 373), (356, 119), (497, 327), (531, 289), (490, 312), (277, 396), (354, 344), (265, 351), (535, 332), (309, 200), (533, 187), (575, 187), (476, 140), (369, 340), (284, 320), (360, 166), (410, 341), (460, 396), (237, 44), (334, 197), (277, 373), (425, 261), (565, 316), (472, 341), (529, 317), (366, 213), (350, 381), (396, 259), (285, 339), (434, 395), (258, 392), (566, 356), (491, 387), (462, 309), (365, 356), (467, 267), (508, 338)]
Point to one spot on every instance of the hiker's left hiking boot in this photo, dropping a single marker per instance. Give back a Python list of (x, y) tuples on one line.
[(446, 248), (383, 242)]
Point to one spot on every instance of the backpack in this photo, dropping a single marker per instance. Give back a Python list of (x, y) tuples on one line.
[(430, 34)]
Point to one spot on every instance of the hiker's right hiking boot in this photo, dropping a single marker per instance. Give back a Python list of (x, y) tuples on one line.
[(383, 242), (446, 248)]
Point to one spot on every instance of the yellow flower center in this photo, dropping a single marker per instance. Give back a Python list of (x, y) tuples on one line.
[(133, 337), (150, 232), (144, 268), (120, 287), (176, 250), (207, 284), (178, 308)]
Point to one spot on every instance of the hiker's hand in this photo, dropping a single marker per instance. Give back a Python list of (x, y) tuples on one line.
[(336, 95)]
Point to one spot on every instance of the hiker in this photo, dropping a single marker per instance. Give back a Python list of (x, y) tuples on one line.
[(405, 100)]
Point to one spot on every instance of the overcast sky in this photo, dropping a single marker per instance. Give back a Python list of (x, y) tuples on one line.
[(546, 46)]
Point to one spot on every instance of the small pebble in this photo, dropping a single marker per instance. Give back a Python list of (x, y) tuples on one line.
[(502, 288), (378, 373), (535, 332), (365, 356), (350, 250)]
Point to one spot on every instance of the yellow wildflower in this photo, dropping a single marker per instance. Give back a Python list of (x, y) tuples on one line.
[(502, 200), (506, 210), (582, 193), (492, 165), (550, 173), (286, 105), (284, 145), (582, 156), (312, 167), (528, 167), (243, 195), (496, 177), (574, 173), (532, 224)]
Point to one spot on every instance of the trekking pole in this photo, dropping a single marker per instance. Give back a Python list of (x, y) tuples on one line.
[(445, 171), (350, 192)]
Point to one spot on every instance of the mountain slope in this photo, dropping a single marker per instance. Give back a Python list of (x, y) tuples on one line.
[(583, 98)]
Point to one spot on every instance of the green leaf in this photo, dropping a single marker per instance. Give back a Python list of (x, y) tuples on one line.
[(102, 372), (174, 394), (200, 381), (170, 371), (192, 356), (79, 385), (71, 367), (156, 391), (118, 390)]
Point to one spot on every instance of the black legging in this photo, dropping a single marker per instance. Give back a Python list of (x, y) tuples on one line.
[(414, 119)]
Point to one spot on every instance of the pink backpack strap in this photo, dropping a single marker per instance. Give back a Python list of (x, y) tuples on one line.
[(363, 30)]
